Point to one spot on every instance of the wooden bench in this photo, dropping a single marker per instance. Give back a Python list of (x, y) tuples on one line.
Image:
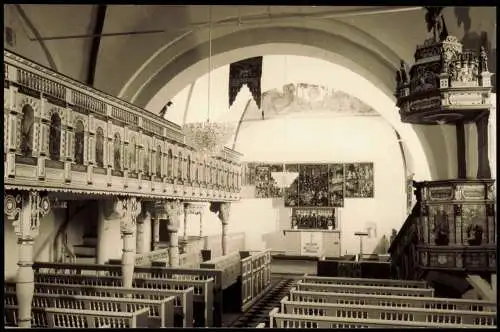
[(161, 311), (280, 320), (202, 298), (144, 272), (482, 318), (76, 318), (183, 299), (364, 282), (365, 289), (393, 301)]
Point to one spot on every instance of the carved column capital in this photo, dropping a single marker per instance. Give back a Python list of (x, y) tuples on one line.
[(114, 208), (222, 210), (132, 209), (147, 211), (174, 209), (25, 212)]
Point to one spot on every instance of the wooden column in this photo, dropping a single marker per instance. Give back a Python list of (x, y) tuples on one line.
[(201, 221), (483, 169), (174, 211), (184, 226), (131, 209), (142, 220), (25, 211), (156, 230), (224, 218), (461, 155)]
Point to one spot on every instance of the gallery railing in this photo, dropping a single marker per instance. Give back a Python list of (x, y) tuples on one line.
[(59, 131)]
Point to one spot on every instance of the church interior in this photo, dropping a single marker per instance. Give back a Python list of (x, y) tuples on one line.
[(179, 166)]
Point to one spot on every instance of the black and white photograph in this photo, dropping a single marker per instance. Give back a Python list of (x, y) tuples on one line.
[(291, 166)]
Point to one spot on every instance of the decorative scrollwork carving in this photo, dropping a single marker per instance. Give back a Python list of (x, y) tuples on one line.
[(132, 208), (26, 227), (12, 206)]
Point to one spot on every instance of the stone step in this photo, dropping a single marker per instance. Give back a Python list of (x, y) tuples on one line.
[(90, 240), (83, 250)]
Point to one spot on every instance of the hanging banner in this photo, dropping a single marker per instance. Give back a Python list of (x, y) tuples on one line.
[(249, 72)]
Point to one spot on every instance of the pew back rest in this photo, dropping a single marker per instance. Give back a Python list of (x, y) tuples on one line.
[(183, 298), (365, 282), (161, 311), (281, 320), (139, 271), (392, 301), (365, 289), (228, 264), (481, 318), (76, 318)]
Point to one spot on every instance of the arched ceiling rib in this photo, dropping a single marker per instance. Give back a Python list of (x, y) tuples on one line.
[(100, 17)]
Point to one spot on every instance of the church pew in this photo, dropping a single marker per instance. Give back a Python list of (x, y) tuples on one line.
[(229, 265), (364, 282), (393, 301), (76, 318), (365, 289), (57, 318), (482, 318), (281, 320), (202, 298), (183, 303), (144, 272), (161, 311)]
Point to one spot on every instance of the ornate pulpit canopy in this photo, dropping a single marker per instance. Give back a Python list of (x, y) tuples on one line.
[(446, 83)]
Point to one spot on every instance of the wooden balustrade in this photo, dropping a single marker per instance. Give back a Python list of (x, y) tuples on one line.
[(255, 277), (161, 311), (459, 317), (110, 132), (355, 289), (183, 299), (392, 301)]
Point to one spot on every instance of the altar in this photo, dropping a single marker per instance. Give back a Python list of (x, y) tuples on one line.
[(312, 242)]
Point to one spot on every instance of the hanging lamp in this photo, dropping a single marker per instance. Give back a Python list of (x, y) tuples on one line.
[(208, 137)]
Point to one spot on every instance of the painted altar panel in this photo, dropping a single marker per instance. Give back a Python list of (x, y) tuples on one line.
[(313, 185), (292, 192), (262, 179), (312, 218), (336, 185), (359, 181)]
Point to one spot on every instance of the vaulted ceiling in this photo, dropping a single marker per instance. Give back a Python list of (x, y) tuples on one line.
[(132, 51)]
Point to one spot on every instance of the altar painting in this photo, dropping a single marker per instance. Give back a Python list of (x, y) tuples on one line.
[(313, 185), (359, 181), (312, 218), (336, 185), (292, 192)]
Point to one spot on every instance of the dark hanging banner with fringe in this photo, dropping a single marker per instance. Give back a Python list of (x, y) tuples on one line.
[(249, 72)]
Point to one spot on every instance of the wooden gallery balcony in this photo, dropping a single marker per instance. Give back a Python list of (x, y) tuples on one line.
[(61, 135), (452, 228)]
